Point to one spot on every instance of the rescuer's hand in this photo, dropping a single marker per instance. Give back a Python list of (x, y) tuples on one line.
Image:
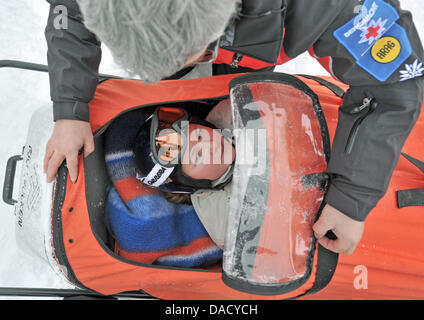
[(348, 231), (68, 138)]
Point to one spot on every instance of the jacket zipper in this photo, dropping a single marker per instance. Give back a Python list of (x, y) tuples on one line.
[(369, 103), (236, 60)]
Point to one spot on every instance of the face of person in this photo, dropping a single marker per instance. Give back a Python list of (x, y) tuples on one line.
[(194, 58), (208, 154)]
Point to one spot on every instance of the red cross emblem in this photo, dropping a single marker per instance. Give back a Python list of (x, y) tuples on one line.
[(373, 32)]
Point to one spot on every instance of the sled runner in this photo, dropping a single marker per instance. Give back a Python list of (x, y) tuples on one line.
[(270, 251)]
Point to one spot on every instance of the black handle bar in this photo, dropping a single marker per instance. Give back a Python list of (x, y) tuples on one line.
[(39, 67)]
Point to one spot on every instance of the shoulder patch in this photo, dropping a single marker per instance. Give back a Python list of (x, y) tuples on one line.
[(378, 44)]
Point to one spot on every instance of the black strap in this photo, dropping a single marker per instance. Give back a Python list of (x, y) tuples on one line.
[(180, 74), (412, 197), (326, 266), (331, 86), (327, 260), (419, 164)]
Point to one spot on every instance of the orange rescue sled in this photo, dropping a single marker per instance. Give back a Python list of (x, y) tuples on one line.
[(284, 260)]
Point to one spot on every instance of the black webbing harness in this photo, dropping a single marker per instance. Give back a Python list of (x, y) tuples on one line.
[(327, 260), (412, 197)]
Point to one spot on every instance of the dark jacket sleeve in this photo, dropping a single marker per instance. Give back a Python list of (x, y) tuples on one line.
[(73, 56), (368, 140), (367, 145)]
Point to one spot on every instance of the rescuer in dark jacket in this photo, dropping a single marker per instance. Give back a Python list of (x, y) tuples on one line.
[(370, 45)]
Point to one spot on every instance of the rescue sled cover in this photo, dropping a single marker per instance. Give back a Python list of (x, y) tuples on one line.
[(279, 124)]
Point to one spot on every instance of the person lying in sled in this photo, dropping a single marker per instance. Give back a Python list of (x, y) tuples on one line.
[(372, 45), (171, 173)]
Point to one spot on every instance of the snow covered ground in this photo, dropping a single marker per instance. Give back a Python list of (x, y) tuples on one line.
[(22, 92)]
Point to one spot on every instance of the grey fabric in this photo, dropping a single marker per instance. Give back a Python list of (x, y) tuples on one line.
[(362, 177), (73, 57), (306, 21), (213, 208)]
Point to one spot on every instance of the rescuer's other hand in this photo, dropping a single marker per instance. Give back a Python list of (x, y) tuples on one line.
[(348, 231)]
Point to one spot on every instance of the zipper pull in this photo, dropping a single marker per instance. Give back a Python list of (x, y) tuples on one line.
[(372, 105), (369, 103), (365, 104), (236, 60)]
